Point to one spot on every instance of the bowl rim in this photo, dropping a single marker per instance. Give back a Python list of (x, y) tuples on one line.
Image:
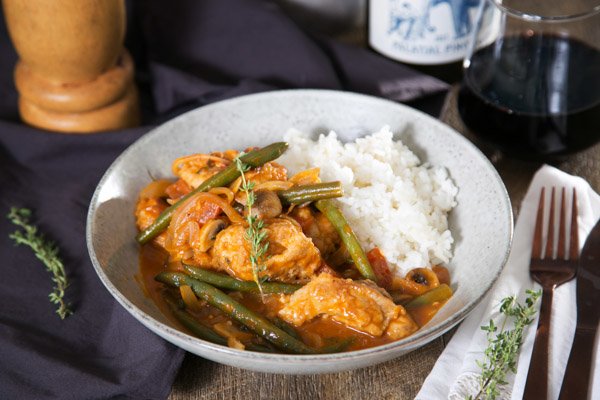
[(416, 340)]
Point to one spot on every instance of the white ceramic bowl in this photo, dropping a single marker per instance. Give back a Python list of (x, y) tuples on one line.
[(481, 223)]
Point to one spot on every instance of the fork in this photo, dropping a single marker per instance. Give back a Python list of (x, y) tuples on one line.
[(550, 272)]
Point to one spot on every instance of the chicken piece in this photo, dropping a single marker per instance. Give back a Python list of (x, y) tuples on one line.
[(360, 305), (196, 168), (316, 226), (291, 256), (146, 212), (270, 171)]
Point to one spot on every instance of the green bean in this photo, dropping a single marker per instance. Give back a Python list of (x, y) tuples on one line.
[(337, 347), (254, 322), (337, 219), (202, 331), (227, 282), (193, 325), (254, 159), (307, 193), (400, 297), (284, 326), (260, 348), (440, 293)]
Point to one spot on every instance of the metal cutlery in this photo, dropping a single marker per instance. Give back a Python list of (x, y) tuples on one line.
[(576, 382), (550, 272)]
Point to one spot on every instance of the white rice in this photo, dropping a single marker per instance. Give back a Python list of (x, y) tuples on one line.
[(391, 200)]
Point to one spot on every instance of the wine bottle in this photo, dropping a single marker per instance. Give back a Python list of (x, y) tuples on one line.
[(429, 35)]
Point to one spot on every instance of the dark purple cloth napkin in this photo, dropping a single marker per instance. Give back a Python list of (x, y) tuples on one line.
[(188, 53)]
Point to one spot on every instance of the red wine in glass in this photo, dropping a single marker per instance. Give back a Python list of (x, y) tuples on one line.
[(533, 96)]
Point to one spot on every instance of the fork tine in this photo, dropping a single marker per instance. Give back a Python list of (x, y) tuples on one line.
[(574, 247), (536, 249), (550, 238), (562, 243)]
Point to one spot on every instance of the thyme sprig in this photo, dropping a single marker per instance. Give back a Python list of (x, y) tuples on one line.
[(46, 251), (503, 347), (255, 233)]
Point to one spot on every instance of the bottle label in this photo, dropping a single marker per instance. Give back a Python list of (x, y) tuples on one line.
[(422, 31)]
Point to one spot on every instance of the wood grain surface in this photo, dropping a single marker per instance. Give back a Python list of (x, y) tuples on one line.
[(398, 379)]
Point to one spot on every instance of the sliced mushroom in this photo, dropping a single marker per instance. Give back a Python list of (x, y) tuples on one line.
[(416, 282), (208, 233), (423, 276), (266, 204)]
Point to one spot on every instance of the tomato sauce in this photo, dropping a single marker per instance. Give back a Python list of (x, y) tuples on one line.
[(316, 333)]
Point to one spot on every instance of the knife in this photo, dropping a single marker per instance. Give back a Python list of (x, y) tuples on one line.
[(576, 382)]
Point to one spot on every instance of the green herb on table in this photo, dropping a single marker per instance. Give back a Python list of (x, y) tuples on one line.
[(503, 346), (255, 234), (46, 252)]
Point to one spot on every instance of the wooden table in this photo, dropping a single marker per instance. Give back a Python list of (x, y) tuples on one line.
[(397, 379)]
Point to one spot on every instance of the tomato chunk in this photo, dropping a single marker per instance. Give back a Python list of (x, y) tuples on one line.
[(380, 268)]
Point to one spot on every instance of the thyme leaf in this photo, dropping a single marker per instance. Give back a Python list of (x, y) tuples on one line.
[(255, 233), (504, 344), (46, 251)]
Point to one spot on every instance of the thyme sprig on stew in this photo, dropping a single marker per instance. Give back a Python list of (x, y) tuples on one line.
[(503, 346), (46, 251), (255, 233)]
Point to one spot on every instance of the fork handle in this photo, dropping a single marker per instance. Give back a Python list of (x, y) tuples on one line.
[(536, 387), (576, 382)]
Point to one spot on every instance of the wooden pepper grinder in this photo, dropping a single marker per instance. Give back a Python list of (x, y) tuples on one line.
[(74, 75)]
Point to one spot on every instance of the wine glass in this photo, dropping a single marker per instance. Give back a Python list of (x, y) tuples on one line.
[(531, 83)]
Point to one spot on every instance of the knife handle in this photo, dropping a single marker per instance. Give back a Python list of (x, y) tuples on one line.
[(576, 382)]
